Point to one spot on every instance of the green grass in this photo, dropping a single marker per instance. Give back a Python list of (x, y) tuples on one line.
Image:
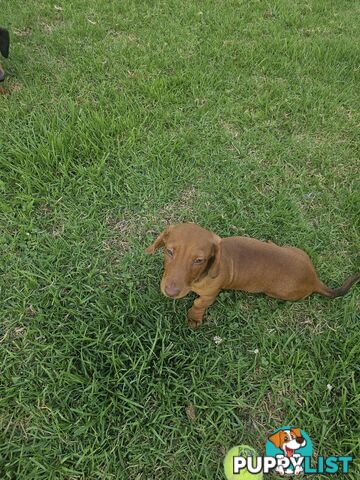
[(123, 117)]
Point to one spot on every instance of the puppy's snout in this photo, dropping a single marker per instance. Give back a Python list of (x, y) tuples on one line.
[(171, 290), (300, 440)]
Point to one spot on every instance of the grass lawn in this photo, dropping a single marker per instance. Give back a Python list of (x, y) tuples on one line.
[(123, 117)]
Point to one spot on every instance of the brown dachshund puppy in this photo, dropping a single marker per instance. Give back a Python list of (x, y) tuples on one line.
[(200, 261)]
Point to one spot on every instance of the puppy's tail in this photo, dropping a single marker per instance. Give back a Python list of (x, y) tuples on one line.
[(338, 292)]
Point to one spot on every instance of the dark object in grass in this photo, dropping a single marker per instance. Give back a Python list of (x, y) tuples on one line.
[(4, 48), (200, 261)]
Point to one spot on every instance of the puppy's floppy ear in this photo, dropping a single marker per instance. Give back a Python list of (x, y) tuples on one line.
[(4, 42), (215, 267), (275, 439), (159, 242), (296, 432)]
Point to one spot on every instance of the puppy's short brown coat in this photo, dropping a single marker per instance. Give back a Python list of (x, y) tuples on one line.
[(200, 261)]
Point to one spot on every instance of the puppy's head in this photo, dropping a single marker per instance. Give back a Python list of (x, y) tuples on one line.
[(288, 440), (190, 253), (4, 48)]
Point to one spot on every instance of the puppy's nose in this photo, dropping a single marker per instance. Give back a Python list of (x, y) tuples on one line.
[(171, 290), (300, 440)]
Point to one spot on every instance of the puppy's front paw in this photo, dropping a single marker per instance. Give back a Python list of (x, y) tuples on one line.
[(280, 470), (194, 320), (193, 324)]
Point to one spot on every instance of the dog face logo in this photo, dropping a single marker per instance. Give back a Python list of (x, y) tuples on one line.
[(289, 443), (288, 440)]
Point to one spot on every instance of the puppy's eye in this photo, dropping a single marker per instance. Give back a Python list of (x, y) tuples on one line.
[(286, 439), (197, 261), (169, 252)]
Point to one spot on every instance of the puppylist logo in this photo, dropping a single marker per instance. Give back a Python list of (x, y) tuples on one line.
[(289, 446), (288, 451)]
